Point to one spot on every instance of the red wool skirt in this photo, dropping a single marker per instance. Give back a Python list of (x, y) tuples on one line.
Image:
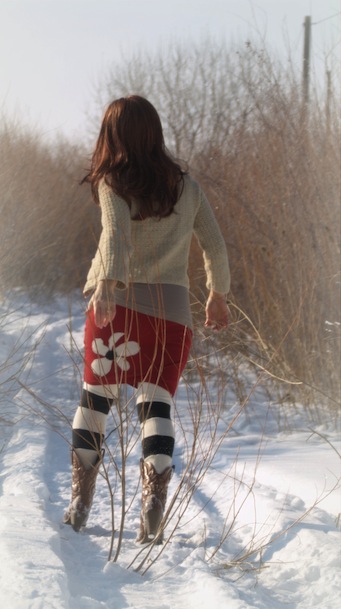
[(135, 348)]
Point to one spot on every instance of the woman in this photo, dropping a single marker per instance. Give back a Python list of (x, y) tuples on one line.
[(139, 329)]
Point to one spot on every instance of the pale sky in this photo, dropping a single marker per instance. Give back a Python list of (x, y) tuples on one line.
[(53, 52)]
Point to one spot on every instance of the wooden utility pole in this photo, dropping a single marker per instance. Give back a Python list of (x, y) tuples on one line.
[(329, 97), (306, 59)]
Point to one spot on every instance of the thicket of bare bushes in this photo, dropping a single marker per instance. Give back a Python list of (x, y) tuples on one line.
[(48, 224), (270, 168)]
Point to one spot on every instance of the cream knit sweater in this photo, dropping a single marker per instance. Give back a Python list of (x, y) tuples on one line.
[(156, 251)]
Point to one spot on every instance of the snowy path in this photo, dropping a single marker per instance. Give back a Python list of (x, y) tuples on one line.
[(45, 565)]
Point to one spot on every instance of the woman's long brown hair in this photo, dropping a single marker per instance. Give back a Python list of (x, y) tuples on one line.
[(130, 155)]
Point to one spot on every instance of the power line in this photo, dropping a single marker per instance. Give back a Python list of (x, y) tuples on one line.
[(326, 19)]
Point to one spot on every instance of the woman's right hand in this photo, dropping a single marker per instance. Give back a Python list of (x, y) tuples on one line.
[(103, 302)]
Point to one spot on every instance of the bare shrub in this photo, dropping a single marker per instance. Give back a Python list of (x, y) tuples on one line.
[(48, 225), (276, 194)]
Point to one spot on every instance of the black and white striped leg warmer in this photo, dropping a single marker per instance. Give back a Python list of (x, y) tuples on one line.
[(158, 436), (88, 427)]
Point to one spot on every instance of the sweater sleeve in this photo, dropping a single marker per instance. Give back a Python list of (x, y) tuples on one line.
[(114, 250), (211, 241)]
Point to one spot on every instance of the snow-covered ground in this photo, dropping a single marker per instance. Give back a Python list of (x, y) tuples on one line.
[(261, 529)]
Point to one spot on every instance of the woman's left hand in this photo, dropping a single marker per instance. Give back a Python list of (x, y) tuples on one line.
[(217, 312), (103, 302)]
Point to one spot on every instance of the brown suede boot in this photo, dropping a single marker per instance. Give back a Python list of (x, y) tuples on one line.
[(82, 492), (154, 497)]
